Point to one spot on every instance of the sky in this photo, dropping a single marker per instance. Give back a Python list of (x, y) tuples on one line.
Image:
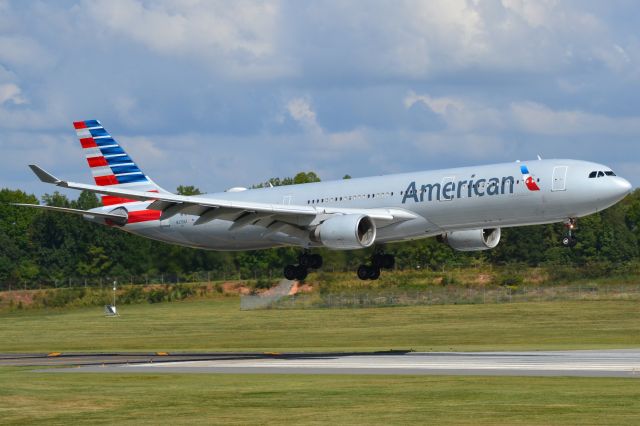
[(219, 94)]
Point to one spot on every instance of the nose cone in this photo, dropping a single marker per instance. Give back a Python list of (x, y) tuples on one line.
[(622, 187), (610, 190)]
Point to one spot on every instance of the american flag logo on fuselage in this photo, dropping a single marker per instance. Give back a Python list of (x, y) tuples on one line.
[(528, 179)]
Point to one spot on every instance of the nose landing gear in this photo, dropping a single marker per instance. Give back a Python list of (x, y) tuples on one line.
[(300, 271), (569, 240)]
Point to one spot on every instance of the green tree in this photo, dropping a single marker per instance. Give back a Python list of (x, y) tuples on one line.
[(188, 190), (307, 177), (96, 265)]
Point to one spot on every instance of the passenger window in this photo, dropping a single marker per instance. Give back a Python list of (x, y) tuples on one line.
[(592, 175), (600, 174)]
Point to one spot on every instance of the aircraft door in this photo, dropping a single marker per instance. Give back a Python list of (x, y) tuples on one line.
[(559, 182)]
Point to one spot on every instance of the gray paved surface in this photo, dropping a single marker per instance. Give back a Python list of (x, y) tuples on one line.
[(601, 363)]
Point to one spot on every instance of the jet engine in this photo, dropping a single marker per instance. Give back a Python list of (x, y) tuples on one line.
[(473, 240), (345, 232)]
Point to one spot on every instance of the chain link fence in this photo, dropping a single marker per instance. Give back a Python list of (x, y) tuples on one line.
[(453, 295)]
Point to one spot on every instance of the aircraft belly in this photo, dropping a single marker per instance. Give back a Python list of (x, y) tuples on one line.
[(408, 230), (486, 211), (214, 235)]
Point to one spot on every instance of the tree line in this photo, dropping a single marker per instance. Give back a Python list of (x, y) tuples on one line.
[(40, 248)]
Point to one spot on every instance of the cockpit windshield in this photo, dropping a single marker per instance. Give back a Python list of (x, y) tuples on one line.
[(601, 173)]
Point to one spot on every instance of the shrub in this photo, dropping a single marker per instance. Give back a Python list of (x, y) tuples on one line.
[(512, 281)]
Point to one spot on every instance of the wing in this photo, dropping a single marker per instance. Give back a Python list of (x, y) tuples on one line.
[(241, 212)]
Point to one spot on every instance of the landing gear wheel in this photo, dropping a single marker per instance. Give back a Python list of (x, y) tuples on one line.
[(388, 261), (304, 259), (301, 273), (368, 272), (569, 241), (374, 273), (315, 261), (383, 261), (308, 260), (290, 272), (363, 272)]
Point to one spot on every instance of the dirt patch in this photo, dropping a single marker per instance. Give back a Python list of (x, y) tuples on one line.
[(17, 297), (483, 279), (235, 288), (300, 288)]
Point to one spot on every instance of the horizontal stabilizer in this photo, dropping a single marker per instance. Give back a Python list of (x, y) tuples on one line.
[(117, 218)]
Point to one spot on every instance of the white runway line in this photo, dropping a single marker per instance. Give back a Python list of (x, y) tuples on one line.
[(613, 361)]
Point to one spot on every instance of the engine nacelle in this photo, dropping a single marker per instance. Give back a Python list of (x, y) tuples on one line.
[(345, 232), (473, 240)]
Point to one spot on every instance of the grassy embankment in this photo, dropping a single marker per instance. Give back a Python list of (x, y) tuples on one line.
[(443, 287), (219, 325)]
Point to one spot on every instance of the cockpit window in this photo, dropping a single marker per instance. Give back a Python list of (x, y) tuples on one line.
[(609, 173), (600, 174), (592, 175)]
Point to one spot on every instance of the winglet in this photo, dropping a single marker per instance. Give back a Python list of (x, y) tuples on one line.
[(44, 176)]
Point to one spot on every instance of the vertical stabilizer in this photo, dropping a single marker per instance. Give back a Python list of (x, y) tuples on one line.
[(110, 165)]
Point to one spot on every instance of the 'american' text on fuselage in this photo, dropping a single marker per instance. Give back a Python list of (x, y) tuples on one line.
[(464, 188)]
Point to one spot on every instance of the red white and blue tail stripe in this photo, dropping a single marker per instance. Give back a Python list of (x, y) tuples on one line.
[(110, 165)]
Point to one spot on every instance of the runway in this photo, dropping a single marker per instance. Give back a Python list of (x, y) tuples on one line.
[(597, 363)]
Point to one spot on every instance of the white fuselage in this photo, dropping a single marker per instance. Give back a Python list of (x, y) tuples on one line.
[(465, 198)]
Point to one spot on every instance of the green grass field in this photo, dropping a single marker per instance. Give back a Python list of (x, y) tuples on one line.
[(219, 325), (28, 397)]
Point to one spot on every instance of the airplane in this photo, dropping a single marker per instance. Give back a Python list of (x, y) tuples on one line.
[(465, 207)]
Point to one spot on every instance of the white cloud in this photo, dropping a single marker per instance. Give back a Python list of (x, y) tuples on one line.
[(536, 118), (193, 85), (418, 39), (10, 92), (300, 110), (238, 38), (19, 50), (465, 115), (458, 114), (438, 105)]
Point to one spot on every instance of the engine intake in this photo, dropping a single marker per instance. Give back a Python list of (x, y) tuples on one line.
[(473, 240), (345, 232)]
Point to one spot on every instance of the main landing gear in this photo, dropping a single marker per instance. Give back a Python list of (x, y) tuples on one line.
[(300, 271), (378, 261), (569, 240)]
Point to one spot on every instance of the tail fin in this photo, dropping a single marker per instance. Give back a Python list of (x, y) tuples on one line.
[(110, 164)]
